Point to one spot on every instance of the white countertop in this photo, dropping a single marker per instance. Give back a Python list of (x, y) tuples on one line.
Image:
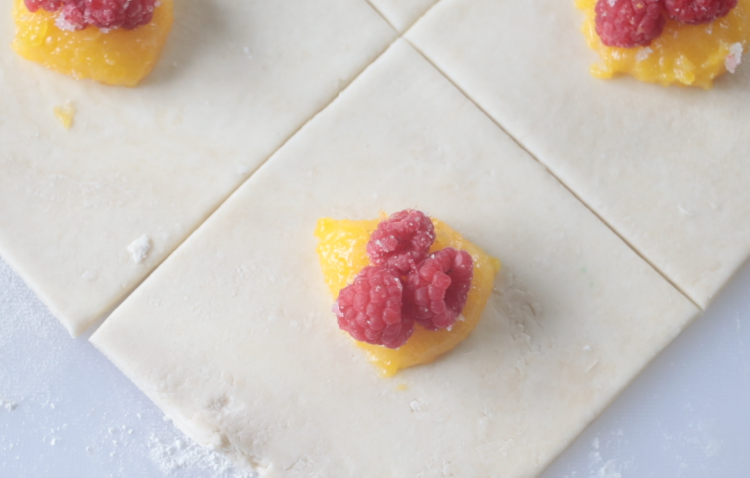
[(66, 411)]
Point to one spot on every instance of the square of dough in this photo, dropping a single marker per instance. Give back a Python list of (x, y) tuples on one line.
[(234, 338), (402, 13), (87, 213), (667, 168)]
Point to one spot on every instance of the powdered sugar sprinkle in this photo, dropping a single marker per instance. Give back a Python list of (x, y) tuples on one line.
[(643, 54), (734, 58)]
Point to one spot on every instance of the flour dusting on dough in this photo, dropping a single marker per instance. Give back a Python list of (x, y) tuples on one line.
[(88, 276), (140, 248), (187, 454)]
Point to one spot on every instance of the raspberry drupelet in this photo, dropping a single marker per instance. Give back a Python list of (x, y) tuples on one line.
[(401, 241), (629, 23), (435, 292), (103, 14), (695, 12), (370, 308), (49, 5)]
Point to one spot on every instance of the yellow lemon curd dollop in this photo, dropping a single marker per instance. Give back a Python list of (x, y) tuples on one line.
[(343, 254), (119, 57), (690, 55)]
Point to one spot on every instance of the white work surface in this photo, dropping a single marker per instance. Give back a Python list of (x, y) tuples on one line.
[(66, 411)]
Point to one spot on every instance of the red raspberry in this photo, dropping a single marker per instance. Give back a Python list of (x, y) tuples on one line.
[(72, 16), (696, 12), (370, 308), (104, 14), (49, 5), (628, 23), (435, 292), (126, 14), (401, 241)]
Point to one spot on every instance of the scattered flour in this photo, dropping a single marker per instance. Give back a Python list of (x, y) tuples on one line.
[(685, 212), (610, 470), (713, 448), (594, 456), (186, 454), (8, 405), (88, 276), (140, 248), (613, 467)]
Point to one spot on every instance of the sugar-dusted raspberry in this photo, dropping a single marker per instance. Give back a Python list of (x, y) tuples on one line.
[(370, 308), (696, 12), (49, 5), (628, 23), (402, 240), (103, 14), (126, 14), (71, 16), (435, 292)]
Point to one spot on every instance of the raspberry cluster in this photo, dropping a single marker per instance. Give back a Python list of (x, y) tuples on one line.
[(405, 285), (103, 14), (632, 23)]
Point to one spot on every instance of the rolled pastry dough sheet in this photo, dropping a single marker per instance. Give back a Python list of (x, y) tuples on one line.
[(402, 13), (667, 168), (146, 166), (233, 336)]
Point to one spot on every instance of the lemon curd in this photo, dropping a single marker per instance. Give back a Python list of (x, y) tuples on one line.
[(118, 57), (688, 55), (65, 114), (342, 250)]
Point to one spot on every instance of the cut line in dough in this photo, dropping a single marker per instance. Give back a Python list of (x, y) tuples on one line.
[(401, 14)]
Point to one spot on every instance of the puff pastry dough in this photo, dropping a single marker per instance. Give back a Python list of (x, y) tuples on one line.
[(234, 338), (402, 13)]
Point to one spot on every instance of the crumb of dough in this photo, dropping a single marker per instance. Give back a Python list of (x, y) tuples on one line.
[(139, 249)]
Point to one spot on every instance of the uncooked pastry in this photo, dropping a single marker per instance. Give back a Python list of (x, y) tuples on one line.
[(667, 168), (233, 336), (235, 81), (402, 13)]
